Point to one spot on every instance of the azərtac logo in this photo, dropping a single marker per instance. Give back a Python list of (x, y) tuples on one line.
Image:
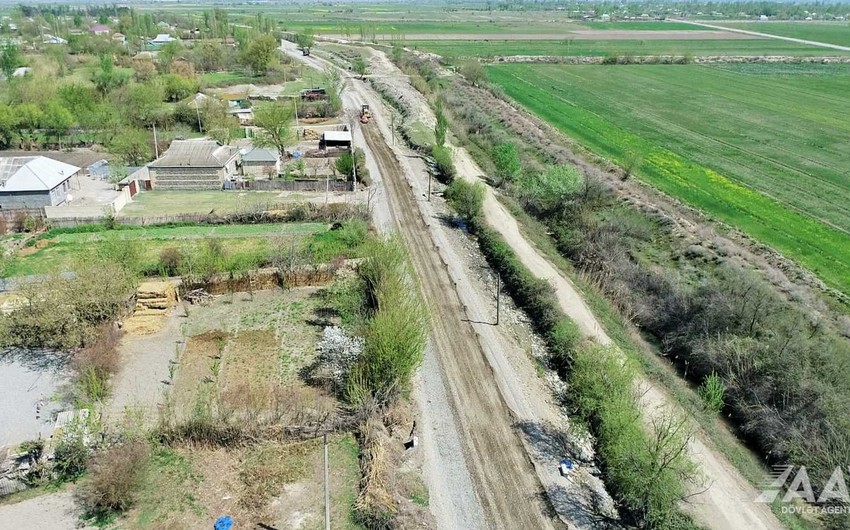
[(833, 498)]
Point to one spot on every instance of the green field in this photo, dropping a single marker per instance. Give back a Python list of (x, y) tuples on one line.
[(642, 25), (604, 48), (63, 250), (830, 32), (343, 26), (762, 150)]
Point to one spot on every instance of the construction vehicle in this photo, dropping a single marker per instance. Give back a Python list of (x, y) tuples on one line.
[(365, 114)]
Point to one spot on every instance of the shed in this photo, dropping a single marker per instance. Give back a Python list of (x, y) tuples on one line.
[(261, 162), (194, 165), (34, 182), (340, 139)]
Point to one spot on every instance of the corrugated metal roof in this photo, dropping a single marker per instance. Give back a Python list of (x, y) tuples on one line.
[(337, 136), (196, 153), (33, 173), (261, 154)]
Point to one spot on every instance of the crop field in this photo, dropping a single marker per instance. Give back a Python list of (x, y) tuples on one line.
[(603, 48), (348, 26), (832, 33), (763, 150)]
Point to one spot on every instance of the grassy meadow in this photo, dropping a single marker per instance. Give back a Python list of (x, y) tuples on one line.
[(761, 149), (242, 246)]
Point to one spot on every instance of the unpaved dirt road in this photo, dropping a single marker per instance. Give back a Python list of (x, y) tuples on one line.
[(724, 501), (727, 502), (759, 35), (506, 483), (493, 459)]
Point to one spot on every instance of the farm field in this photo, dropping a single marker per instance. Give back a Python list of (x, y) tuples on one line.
[(602, 48), (735, 142), (829, 32), (349, 26)]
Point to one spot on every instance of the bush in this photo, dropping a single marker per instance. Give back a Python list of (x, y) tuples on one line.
[(711, 392), (114, 480), (396, 332), (71, 455), (563, 339), (171, 261), (646, 471), (445, 166), (466, 198)]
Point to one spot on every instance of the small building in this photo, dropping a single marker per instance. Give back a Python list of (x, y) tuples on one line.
[(119, 38), (245, 116), (194, 165), (100, 29), (34, 182), (339, 139), (160, 40), (53, 39), (260, 162)]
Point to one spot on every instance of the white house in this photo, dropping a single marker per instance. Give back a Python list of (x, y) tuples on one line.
[(34, 182)]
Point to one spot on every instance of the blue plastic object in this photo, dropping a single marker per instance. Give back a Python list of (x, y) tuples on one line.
[(225, 522)]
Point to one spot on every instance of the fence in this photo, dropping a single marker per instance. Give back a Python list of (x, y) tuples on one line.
[(298, 185)]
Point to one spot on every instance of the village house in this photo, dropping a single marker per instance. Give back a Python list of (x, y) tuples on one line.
[(100, 29), (194, 165), (34, 182)]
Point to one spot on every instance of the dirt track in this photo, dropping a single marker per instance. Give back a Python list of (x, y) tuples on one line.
[(727, 502), (508, 488)]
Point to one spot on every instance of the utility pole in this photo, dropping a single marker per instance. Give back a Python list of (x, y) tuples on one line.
[(155, 143), (498, 297), (327, 488), (353, 168), (198, 112)]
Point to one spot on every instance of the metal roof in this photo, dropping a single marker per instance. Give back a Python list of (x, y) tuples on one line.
[(337, 136), (261, 154), (33, 173), (196, 153)]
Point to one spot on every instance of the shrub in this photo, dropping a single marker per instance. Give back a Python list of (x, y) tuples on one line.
[(443, 162), (563, 339), (396, 332), (711, 392), (71, 455), (114, 480), (506, 162), (171, 261), (466, 198)]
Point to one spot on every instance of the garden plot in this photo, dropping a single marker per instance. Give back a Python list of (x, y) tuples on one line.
[(248, 350)]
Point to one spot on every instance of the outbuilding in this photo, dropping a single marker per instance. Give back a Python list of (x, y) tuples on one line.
[(34, 182), (339, 139), (261, 162)]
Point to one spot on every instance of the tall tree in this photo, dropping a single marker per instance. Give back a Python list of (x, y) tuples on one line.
[(10, 59), (260, 53), (273, 119), (305, 40)]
